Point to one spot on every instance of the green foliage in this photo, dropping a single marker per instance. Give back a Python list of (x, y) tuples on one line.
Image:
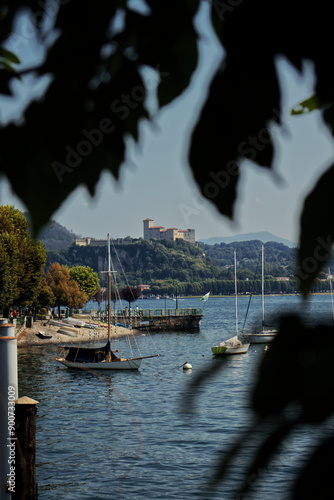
[(87, 280), (280, 260), (22, 261), (306, 106), (142, 261), (195, 268)]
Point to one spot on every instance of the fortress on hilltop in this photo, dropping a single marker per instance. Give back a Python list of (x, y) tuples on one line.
[(171, 233), (150, 232)]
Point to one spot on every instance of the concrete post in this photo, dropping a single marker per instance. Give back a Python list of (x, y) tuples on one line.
[(7, 330), (8, 396)]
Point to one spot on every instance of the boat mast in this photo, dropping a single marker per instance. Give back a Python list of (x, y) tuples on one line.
[(263, 288), (109, 290), (236, 292), (331, 289)]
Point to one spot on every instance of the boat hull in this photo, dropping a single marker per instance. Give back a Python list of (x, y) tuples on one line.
[(231, 346), (260, 338), (218, 349), (222, 350), (237, 350), (126, 364)]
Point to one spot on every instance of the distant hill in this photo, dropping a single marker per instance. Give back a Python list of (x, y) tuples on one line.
[(57, 237), (263, 236)]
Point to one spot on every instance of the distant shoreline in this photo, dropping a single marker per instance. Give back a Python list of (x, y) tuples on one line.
[(248, 295)]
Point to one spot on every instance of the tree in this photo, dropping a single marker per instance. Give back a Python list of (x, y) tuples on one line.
[(65, 290), (87, 280), (22, 261), (100, 296), (130, 294), (45, 297)]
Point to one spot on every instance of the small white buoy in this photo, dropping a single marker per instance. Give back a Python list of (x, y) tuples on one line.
[(187, 366)]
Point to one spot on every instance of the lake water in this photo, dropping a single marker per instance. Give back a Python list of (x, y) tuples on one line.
[(134, 435)]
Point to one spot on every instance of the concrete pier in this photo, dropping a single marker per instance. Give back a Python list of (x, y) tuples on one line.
[(154, 320)]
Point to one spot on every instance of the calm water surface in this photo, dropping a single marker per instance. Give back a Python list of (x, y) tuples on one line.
[(136, 435)]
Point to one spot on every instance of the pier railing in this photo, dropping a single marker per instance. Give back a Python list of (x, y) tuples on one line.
[(147, 313)]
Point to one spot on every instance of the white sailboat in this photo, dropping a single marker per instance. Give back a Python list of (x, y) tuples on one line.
[(265, 336), (100, 358), (233, 345)]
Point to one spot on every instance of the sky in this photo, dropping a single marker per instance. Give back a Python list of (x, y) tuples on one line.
[(156, 181)]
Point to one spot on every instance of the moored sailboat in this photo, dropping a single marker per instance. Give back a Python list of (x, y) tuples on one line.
[(233, 345), (265, 336), (100, 358)]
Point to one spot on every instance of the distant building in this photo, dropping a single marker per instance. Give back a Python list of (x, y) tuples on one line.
[(161, 233), (83, 242)]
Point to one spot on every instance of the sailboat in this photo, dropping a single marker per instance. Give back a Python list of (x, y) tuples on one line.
[(233, 345), (265, 336), (100, 358)]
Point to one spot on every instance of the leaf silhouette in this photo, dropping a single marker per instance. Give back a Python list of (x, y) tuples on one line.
[(317, 230)]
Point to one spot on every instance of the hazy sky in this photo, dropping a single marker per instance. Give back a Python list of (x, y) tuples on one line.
[(156, 182)]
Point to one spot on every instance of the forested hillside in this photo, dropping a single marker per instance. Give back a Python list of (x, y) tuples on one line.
[(57, 237), (143, 262), (177, 266), (279, 259)]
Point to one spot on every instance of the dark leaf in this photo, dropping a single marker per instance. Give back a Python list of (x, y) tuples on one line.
[(243, 99), (305, 380), (224, 463), (62, 145), (232, 126), (174, 51), (316, 479), (264, 455), (5, 78), (317, 230)]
